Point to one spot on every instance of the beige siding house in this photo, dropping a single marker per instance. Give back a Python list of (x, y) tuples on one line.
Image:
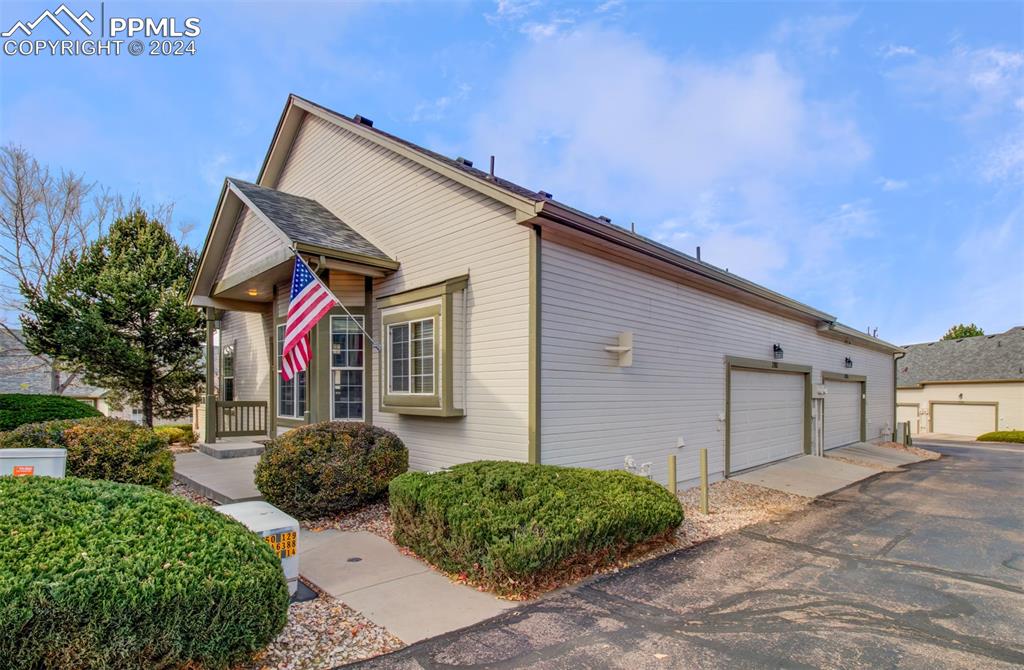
[(507, 325), (963, 387)]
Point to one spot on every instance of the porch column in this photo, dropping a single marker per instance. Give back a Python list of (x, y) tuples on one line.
[(210, 429)]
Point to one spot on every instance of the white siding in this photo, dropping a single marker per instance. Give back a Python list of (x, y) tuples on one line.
[(594, 413), (842, 413), (248, 331), (437, 229), (349, 288), (1009, 396), (905, 413), (251, 240)]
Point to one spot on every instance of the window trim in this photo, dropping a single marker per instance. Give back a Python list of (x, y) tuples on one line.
[(278, 381), (361, 319), (436, 301)]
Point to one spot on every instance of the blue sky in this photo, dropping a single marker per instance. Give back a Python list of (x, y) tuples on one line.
[(867, 159)]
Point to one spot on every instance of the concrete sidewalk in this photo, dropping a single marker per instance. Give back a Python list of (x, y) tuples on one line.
[(404, 595), (226, 480), (809, 476)]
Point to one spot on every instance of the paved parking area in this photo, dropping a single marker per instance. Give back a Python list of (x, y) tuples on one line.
[(921, 568)]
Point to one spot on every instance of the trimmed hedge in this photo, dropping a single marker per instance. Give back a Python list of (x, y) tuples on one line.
[(1003, 436), (17, 409), (513, 526), (101, 448), (180, 434), (330, 467), (103, 575)]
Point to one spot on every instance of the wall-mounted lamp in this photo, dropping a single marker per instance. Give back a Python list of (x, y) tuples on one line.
[(848, 362), (777, 352)]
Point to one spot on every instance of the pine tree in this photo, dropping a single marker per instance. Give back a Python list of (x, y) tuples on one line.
[(118, 311)]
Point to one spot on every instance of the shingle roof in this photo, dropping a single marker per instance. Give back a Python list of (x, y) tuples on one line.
[(987, 357), (23, 372), (307, 221)]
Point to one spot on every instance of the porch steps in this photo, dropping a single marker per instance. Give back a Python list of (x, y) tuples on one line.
[(227, 449), (225, 480)]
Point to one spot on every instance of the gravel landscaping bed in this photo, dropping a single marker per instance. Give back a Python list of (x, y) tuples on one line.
[(733, 505), (322, 634), (864, 464), (917, 451), (373, 518), (179, 489)]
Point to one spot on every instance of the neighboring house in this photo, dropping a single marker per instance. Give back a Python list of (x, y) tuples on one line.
[(511, 325), (21, 371), (964, 387)]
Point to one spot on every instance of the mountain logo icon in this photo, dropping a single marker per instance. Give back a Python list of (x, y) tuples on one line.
[(53, 16)]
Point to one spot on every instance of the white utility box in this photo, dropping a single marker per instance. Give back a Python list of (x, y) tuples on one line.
[(33, 462), (277, 528)]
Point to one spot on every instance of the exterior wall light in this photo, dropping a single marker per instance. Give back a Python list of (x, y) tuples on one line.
[(253, 292), (777, 352), (848, 362)]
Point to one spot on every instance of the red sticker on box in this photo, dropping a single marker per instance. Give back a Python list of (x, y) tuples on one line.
[(24, 470)]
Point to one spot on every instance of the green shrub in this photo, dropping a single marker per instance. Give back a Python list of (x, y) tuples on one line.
[(181, 434), (103, 575), (513, 526), (1003, 436), (101, 448), (330, 467), (17, 409)]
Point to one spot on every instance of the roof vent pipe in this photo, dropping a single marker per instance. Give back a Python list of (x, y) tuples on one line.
[(492, 166), (464, 161), (698, 253), (362, 120)]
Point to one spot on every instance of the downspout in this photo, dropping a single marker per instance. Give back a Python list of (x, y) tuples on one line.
[(895, 357)]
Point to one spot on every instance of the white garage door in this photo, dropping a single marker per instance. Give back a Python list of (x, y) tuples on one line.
[(842, 413), (766, 418), (906, 413), (967, 420)]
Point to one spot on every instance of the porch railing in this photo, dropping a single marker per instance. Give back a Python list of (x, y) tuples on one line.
[(237, 418)]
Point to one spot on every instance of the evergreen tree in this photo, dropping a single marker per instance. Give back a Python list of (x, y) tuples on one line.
[(118, 312), (960, 331)]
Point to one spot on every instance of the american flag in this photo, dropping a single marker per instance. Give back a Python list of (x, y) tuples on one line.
[(310, 301)]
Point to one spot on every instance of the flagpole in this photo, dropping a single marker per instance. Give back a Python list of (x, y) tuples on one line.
[(373, 342)]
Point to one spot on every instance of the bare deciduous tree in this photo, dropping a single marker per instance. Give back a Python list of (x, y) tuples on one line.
[(44, 217)]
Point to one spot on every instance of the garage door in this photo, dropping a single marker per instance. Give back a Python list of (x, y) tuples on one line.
[(906, 413), (967, 420), (842, 413), (766, 417)]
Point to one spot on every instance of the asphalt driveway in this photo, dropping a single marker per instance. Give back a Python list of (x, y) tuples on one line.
[(915, 569)]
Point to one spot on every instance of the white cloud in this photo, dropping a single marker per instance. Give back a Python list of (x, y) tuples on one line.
[(437, 109), (608, 5), (215, 168), (542, 31), (1005, 162), (613, 123), (896, 50), (890, 185), (817, 34)]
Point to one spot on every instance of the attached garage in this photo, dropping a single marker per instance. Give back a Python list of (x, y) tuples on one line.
[(908, 412), (963, 418), (766, 413), (844, 409)]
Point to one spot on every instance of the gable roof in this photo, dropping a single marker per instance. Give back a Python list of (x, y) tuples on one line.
[(537, 208), (306, 221), (984, 358), (21, 371)]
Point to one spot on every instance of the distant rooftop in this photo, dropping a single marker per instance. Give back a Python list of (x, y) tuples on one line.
[(983, 358)]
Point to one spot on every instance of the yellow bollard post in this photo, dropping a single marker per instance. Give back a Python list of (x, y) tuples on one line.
[(671, 483), (704, 482)]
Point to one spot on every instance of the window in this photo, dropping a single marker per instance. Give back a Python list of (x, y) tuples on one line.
[(291, 394), (423, 364), (228, 373), (346, 368), (412, 357)]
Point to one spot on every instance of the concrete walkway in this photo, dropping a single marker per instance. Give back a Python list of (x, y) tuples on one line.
[(226, 480), (872, 453), (809, 476), (398, 592)]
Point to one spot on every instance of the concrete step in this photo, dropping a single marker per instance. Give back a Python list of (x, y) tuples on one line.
[(231, 449), (226, 480)]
